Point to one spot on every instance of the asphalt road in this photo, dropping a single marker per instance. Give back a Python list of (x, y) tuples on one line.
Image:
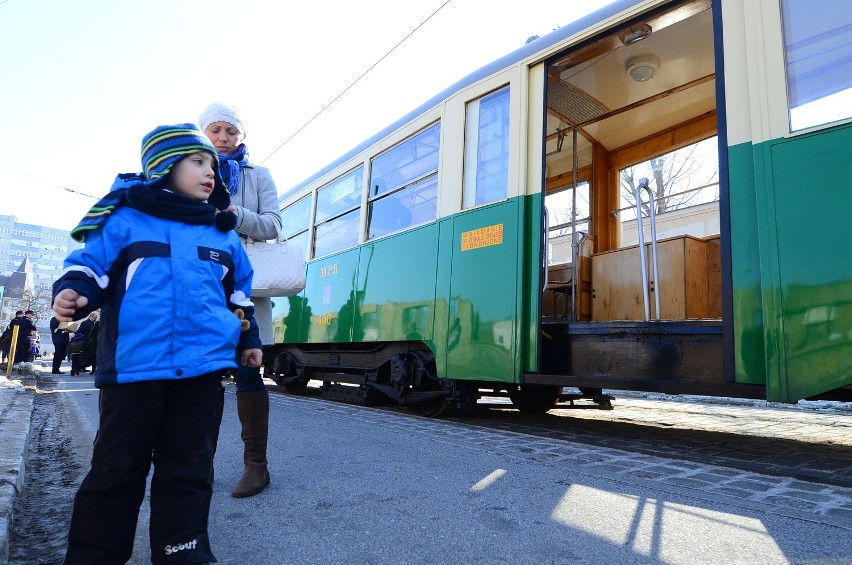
[(358, 485)]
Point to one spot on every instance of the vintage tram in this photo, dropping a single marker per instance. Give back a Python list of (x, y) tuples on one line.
[(650, 198)]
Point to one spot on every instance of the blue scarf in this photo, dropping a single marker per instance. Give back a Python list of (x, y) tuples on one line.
[(134, 191), (230, 167)]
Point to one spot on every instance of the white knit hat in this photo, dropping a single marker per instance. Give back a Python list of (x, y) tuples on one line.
[(218, 112)]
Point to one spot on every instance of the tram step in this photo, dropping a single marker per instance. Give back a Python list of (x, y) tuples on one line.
[(667, 351)]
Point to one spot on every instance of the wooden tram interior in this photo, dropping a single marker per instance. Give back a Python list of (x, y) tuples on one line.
[(600, 327)]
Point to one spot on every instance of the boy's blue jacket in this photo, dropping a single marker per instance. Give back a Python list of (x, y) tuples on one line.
[(167, 291)]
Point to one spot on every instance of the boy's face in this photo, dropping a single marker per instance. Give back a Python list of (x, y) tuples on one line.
[(193, 176), (224, 137)]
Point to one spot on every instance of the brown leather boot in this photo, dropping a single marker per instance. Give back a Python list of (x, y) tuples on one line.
[(253, 409)]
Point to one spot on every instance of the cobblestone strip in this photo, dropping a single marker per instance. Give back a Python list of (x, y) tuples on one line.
[(785, 496), (831, 424)]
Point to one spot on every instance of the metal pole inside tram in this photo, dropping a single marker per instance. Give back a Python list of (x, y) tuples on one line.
[(575, 246)]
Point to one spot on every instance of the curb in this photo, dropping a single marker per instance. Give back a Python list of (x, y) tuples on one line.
[(16, 405)]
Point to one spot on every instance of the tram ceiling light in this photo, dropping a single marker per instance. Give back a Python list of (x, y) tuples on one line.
[(642, 68), (634, 34)]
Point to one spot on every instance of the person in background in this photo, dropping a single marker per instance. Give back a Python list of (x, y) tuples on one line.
[(60, 340), (35, 346), (79, 361), (25, 329), (91, 348), (6, 337), (254, 199), (154, 236)]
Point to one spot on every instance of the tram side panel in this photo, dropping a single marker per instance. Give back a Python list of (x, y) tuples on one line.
[(805, 269), (484, 317), (395, 289), (454, 285)]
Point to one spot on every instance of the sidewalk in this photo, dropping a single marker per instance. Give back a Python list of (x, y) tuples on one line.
[(16, 404)]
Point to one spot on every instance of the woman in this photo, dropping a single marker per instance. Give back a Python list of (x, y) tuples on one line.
[(77, 347), (254, 199)]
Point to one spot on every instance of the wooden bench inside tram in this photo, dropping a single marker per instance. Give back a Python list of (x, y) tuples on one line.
[(689, 286)]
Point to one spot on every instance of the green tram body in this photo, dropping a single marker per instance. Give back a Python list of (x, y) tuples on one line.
[(454, 306)]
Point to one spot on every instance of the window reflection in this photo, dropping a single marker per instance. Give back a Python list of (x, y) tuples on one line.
[(337, 214), (486, 159), (296, 218), (299, 244), (339, 196), (818, 52), (404, 184), (337, 234), (406, 208)]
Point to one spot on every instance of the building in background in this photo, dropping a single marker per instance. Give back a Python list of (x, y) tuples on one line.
[(31, 259)]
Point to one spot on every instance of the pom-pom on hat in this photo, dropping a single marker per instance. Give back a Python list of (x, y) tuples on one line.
[(164, 146), (218, 112)]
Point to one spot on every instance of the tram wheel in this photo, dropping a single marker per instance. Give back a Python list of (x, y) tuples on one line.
[(431, 408), (535, 399), (297, 387)]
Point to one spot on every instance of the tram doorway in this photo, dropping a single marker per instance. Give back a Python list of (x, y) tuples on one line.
[(633, 276)]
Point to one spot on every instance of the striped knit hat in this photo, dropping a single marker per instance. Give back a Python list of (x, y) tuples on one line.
[(163, 147)]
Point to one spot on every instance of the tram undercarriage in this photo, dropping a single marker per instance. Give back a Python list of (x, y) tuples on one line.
[(405, 373)]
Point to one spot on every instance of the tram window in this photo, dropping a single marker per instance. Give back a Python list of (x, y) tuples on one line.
[(299, 243), (295, 220), (296, 217), (412, 159), (337, 214), (818, 53), (560, 219), (408, 207), (403, 184), (486, 157), (340, 195), (685, 183), (336, 234)]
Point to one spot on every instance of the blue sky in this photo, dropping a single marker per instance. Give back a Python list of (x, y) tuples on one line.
[(83, 81)]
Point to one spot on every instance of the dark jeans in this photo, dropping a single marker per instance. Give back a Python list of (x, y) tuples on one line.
[(78, 363), (248, 379), (172, 424), (58, 355)]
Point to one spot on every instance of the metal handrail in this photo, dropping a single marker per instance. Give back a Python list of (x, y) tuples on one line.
[(575, 243), (652, 216), (672, 195)]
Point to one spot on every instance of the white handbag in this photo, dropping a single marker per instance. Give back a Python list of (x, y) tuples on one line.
[(278, 270)]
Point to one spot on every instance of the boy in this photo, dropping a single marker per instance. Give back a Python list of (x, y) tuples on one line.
[(162, 263)]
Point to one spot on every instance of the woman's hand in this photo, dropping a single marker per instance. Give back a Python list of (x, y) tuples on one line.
[(252, 357), (233, 208), (67, 303)]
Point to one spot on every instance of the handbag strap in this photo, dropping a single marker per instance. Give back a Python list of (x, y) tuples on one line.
[(279, 239)]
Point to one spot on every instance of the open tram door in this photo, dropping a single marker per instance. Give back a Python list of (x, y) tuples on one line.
[(637, 101)]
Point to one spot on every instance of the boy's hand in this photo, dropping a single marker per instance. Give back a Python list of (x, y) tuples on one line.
[(67, 303), (252, 357)]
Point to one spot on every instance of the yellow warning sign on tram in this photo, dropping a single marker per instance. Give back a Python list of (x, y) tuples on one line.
[(482, 237)]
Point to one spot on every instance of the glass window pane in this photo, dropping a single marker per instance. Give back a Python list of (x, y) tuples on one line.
[(486, 163), (685, 183), (411, 206), (340, 195), (408, 161), (818, 52), (296, 217), (339, 233), (299, 244), (559, 206)]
